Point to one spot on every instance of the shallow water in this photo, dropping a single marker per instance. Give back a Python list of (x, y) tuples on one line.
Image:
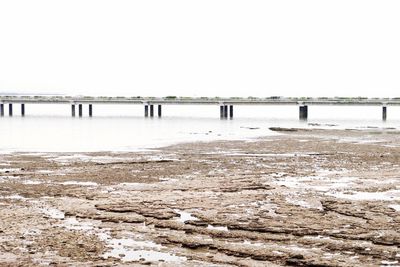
[(49, 128), (185, 216)]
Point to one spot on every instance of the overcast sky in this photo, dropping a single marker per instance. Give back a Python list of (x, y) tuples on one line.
[(201, 48)]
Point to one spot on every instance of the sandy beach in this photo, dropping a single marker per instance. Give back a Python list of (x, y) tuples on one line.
[(305, 197)]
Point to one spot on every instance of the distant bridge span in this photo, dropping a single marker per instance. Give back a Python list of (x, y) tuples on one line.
[(226, 104)]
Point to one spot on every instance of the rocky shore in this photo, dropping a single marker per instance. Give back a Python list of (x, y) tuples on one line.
[(302, 198)]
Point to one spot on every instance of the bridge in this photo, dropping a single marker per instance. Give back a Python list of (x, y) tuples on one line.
[(226, 104)]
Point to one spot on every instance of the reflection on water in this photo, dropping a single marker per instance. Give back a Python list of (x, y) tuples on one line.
[(123, 128)]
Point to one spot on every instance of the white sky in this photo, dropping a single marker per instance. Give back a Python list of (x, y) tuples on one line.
[(201, 48)]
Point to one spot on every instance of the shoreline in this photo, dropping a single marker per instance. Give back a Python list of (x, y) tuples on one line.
[(322, 197), (274, 132)]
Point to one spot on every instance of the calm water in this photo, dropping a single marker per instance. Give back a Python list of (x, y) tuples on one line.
[(49, 128)]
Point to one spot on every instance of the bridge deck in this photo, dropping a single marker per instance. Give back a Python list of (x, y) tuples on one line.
[(200, 101)]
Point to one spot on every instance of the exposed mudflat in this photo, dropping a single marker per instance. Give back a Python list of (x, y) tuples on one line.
[(305, 197)]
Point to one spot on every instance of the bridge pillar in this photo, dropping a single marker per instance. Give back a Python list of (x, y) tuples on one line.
[(80, 110), (10, 109), (231, 111), (303, 112), (146, 110), (225, 111), (73, 110), (22, 110), (2, 110), (151, 110), (159, 111), (90, 110), (384, 113)]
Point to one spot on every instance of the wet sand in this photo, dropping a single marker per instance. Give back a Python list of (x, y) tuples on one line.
[(303, 197)]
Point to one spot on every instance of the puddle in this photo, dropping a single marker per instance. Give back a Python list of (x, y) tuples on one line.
[(8, 170), (389, 263), (219, 228), (395, 207), (73, 224), (16, 197), (246, 242), (143, 255), (31, 182), (86, 158), (309, 204), (136, 186), (354, 195), (4, 179), (128, 242), (44, 171), (79, 183), (319, 237), (127, 249), (168, 180), (265, 154), (316, 183), (53, 213), (158, 158), (185, 216)]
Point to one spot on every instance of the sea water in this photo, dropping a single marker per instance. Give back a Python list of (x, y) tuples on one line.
[(50, 127)]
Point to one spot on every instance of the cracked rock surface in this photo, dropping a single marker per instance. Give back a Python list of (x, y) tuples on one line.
[(301, 198)]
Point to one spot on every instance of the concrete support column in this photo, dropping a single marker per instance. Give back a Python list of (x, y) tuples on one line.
[(2, 110), (80, 110), (225, 111), (10, 109), (303, 112), (22, 110), (151, 110), (90, 110), (159, 111), (384, 113), (231, 111), (146, 110), (73, 110)]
